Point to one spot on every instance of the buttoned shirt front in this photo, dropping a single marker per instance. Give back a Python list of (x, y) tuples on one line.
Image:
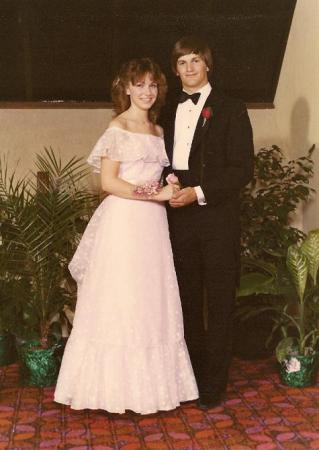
[(187, 115)]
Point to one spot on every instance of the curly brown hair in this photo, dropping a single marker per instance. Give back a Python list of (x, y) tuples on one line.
[(134, 71)]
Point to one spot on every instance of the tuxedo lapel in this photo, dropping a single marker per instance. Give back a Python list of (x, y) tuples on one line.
[(170, 130), (213, 101), (198, 132)]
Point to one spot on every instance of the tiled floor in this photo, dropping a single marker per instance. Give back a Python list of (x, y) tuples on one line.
[(259, 413)]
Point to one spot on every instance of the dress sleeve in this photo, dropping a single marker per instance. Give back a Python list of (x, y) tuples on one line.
[(114, 145)]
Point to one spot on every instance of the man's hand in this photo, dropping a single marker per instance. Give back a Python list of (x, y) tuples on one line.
[(183, 197)]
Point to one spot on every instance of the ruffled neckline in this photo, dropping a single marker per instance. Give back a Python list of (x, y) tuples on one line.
[(135, 133)]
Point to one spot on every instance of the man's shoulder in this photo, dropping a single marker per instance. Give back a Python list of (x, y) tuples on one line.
[(228, 101)]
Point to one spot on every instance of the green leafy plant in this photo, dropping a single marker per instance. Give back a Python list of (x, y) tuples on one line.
[(292, 286), (42, 218), (277, 188)]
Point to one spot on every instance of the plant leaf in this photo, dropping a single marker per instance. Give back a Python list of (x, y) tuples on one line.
[(310, 248), (298, 269), (284, 348), (255, 283)]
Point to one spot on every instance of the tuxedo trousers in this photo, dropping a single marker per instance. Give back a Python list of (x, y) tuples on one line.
[(206, 262)]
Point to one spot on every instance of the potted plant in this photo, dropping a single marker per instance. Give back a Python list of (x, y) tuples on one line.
[(7, 318), (278, 187), (292, 284), (43, 217), (8, 289)]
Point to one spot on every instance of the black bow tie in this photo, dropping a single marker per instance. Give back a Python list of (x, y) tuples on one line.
[(194, 97)]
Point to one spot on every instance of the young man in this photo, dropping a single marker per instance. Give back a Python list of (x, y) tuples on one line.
[(209, 142)]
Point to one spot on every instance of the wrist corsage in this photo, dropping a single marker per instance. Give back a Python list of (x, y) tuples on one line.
[(148, 189), (206, 114)]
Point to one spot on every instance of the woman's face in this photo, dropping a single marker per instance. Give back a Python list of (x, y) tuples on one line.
[(143, 94)]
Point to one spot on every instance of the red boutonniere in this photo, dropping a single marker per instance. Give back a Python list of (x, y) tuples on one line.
[(207, 114)]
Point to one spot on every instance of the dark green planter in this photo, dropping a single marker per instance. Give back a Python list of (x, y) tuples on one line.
[(7, 350), (305, 376), (39, 366)]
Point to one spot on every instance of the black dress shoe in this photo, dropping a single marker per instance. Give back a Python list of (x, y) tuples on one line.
[(205, 402)]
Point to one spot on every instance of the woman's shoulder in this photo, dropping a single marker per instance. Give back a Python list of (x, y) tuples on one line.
[(117, 122), (158, 130), (124, 124)]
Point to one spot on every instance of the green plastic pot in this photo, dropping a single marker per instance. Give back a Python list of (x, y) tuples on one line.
[(38, 366), (299, 371)]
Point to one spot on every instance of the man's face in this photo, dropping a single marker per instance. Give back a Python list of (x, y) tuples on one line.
[(192, 71)]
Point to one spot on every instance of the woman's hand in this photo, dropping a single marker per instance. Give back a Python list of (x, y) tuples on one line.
[(166, 193), (174, 181)]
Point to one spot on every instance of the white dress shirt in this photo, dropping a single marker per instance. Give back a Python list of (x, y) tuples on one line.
[(187, 115)]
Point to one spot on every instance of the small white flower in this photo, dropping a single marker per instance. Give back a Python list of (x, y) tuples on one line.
[(292, 365)]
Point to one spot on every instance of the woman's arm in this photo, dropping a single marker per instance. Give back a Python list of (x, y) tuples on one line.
[(112, 184)]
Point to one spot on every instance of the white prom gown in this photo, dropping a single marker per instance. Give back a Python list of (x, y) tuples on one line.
[(127, 349)]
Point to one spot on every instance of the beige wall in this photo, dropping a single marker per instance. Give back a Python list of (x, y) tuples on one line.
[(297, 98), (293, 124), (24, 132)]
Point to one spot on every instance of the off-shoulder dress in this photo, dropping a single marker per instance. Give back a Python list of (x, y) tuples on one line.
[(126, 350)]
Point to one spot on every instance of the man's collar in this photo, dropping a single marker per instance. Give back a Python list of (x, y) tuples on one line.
[(204, 89)]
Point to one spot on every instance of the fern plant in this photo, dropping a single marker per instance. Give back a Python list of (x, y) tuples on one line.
[(42, 218)]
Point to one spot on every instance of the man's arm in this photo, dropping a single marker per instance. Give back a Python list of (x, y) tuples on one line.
[(222, 182)]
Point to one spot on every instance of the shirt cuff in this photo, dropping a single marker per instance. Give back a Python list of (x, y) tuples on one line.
[(200, 196)]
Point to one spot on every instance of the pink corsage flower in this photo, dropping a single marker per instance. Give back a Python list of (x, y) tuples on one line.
[(148, 189), (207, 114), (172, 179)]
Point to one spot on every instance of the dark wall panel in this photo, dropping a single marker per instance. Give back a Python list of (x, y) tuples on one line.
[(69, 50)]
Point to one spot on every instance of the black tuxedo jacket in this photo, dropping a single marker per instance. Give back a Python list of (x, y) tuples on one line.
[(220, 161)]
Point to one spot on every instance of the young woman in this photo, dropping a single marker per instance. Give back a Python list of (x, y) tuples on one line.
[(127, 349)]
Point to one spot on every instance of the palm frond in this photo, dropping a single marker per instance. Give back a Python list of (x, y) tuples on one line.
[(70, 173), (39, 232)]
